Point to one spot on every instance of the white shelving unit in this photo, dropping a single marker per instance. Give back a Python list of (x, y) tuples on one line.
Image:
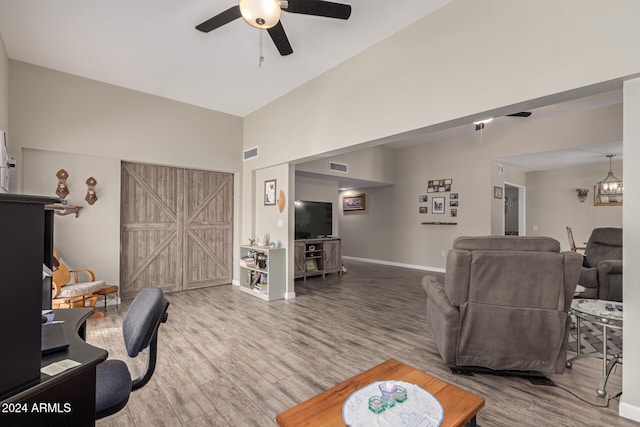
[(266, 279)]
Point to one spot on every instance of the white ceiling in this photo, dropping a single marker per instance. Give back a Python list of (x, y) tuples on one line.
[(152, 45)]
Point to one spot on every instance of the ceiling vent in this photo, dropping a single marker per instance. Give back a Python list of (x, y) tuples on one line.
[(338, 167), (250, 153)]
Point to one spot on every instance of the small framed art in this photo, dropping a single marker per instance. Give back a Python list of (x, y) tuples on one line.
[(353, 202), (438, 205), (270, 192), (497, 192)]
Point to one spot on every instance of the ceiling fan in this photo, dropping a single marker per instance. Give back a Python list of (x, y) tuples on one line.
[(265, 14)]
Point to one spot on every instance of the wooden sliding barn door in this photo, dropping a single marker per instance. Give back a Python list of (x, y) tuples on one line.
[(176, 228)]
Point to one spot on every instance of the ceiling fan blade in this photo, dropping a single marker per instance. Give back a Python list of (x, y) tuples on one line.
[(520, 114), (319, 8), (220, 19), (280, 39)]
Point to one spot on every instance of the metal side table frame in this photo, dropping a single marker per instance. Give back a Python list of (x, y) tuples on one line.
[(608, 316)]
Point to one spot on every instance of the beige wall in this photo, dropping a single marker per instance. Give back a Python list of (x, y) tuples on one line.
[(86, 127), (553, 204), (376, 164), (268, 218), (392, 213), (4, 87), (83, 242), (404, 83), (496, 56)]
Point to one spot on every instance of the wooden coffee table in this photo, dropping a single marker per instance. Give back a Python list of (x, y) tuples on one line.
[(325, 409)]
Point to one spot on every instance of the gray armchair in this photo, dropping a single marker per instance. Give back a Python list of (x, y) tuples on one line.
[(504, 303), (601, 274)]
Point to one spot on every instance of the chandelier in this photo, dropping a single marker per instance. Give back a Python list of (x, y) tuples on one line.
[(609, 190)]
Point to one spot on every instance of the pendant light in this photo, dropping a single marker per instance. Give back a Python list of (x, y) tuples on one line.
[(609, 190)]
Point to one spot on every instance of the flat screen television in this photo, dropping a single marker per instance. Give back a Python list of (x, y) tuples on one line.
[(313, 219)]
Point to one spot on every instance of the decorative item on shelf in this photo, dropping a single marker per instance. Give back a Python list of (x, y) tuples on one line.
[(91, 196), (63, 209), (273, 245), (582, 193), (608, 192), (62, 190)]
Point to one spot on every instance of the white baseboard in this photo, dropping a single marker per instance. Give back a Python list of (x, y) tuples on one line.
[(235, 282), (631, 412), (396, 264), (290, 295)]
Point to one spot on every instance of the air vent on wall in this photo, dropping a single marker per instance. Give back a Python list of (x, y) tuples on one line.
[(338, 167), (250, 153)]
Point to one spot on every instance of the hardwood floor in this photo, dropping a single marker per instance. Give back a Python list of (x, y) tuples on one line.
[(229, 359)]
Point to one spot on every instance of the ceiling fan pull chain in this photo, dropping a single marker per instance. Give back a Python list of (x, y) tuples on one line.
[(261, 57)]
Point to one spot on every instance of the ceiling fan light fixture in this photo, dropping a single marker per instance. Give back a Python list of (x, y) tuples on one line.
[(262, 14)]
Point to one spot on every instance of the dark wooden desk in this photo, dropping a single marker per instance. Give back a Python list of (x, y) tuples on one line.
[(66, 399)]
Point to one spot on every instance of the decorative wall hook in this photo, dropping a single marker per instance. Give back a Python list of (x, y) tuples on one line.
[(91, 196), (582, 193), (62, 190)]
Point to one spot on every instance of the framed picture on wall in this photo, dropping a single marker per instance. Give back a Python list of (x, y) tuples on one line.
[(353, 202), (497, 192), (270, 192), (438, 205)]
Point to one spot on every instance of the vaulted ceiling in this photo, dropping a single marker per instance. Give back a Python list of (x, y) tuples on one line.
[(152, 46)]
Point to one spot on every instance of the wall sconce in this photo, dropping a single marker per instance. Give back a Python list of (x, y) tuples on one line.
[(91, 196), (582, 193), (62, 190)]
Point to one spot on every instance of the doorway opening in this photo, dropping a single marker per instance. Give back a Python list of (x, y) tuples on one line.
[(514, 210)]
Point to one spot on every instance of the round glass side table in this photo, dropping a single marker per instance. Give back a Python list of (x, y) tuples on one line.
[(608, 315)]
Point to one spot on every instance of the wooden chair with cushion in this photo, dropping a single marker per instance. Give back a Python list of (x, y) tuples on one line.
[(572, 243), (77, 293)]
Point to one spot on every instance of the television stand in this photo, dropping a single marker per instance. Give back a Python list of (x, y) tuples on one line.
[(317, 256)]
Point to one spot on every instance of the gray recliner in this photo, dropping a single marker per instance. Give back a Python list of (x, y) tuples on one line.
[(601, 274), (504, 303), (140, 330)]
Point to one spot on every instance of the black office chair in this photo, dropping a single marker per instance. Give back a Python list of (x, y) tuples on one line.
[(140, 330)]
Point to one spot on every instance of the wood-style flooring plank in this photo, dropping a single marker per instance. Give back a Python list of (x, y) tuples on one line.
[(229, 359)]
